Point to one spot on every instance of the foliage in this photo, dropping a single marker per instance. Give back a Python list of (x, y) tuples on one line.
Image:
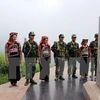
[(3, 66)]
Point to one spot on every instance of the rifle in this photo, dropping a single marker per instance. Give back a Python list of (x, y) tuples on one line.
[(30, 49)]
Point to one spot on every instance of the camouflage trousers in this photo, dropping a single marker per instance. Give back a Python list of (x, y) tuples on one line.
[(94, 64), (60, 63), (30, 67), (72, 65)]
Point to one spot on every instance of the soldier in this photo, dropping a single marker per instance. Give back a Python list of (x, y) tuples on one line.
[(60, 49), (73, 50), (30, 50), (94, 52)]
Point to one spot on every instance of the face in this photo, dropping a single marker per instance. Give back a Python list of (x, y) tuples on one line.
[(14, 37), (31, 37), (61, 38), (46, 41), (96, 37), (85, 42), (74, 39)]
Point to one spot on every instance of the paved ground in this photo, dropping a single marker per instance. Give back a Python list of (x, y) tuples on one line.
[(62, 90)]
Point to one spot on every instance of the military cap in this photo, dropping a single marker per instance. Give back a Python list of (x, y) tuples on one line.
[(31, 34), (96, 35), (74, 36), (61, 36)]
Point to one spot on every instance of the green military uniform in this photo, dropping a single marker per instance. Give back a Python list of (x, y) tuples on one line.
[(94, 52), (59, 56), (30, 50), (73, 50), (53, 48)]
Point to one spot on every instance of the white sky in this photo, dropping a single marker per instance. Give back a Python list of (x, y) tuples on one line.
[(50, 18)]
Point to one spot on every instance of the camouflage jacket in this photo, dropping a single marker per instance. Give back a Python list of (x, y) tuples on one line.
[(30, 52), (73, 49), (62, 52), (94, 47)]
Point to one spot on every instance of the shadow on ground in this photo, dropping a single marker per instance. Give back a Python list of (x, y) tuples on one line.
[(70, 89)]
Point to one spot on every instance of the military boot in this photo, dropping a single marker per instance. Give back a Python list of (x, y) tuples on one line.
[(61, 78)]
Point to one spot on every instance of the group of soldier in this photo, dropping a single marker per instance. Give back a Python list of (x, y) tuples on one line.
[(62, 52), (73, 53)]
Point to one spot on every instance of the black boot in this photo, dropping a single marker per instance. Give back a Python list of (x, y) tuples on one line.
[(57, 78), (61, 78), (32, 81), (26, 83), (74, 76)]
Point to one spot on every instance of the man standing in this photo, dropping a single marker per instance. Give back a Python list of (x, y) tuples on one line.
[(73, 50), (30, 50), (94, 52), (59, 48)]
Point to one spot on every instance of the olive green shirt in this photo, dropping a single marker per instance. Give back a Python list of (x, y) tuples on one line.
[(94, 44), (30, 52), (62, 52), (73, 49)]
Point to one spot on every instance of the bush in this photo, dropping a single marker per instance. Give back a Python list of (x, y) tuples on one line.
[(22, 69), (3, 78), (3, 66), (37, 68)]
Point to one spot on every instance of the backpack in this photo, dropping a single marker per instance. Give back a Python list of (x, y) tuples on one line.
[(13, 50), (46, 51)]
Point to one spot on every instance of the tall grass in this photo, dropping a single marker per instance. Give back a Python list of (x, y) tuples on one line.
[(3, 78), (3, 66)]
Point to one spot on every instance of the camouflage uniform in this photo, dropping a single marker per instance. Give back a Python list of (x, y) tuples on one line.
[(53, 48), (59, 57), (30, 54), (73, 50), (94, 53)]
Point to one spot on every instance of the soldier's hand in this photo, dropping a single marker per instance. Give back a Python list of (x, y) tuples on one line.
[(95, 48), (58, 49), (30, 46)]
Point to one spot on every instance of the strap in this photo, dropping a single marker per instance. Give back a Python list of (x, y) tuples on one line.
[(29, 44)]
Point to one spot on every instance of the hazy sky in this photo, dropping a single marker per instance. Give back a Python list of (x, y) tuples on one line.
[(49, 17)]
